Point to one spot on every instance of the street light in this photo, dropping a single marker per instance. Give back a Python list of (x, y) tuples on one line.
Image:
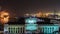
[(4, 17)]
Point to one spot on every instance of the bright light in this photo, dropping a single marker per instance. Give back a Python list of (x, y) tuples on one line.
[(31, 20), (31, 27), (4, 17)]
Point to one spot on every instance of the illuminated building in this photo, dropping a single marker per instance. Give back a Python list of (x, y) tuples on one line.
[(14, 28), (31, 25)]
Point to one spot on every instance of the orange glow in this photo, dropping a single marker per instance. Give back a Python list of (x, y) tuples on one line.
[(4, 17), (40, 14)]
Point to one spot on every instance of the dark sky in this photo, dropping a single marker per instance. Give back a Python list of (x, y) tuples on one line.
[(20, 7)]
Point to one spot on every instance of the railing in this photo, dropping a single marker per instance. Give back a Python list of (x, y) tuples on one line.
[(49, 28), (15, 29)]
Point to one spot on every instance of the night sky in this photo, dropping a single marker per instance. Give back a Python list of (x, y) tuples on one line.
[(20, 7)]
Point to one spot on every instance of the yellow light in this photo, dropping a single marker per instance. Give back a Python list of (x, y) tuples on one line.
[(39, 14), (4, 17)]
